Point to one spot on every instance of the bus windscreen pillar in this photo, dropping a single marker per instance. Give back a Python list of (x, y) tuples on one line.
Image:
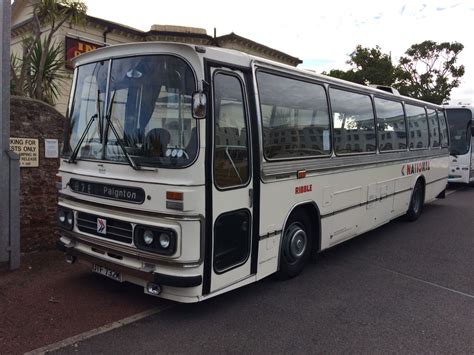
[(9, 162)]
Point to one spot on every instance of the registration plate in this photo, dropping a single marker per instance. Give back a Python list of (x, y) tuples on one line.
[(114, 275)]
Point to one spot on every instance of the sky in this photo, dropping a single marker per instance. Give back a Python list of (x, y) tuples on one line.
[(321, 33)]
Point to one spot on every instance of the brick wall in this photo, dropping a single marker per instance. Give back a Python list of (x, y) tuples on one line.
[(34, 119)]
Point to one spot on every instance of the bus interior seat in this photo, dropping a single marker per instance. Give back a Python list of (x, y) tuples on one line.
[(191, 147), (156, 141)]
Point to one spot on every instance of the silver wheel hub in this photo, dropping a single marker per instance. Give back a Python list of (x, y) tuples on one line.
[(296, 242)]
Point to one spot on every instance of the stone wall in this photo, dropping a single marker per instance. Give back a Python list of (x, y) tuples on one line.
[(38, 194)]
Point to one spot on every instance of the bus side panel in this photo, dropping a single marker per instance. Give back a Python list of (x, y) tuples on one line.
[(351, 201)]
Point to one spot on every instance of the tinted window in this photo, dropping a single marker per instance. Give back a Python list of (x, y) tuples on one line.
[(443, 129), (231, 156), (295, 117), (149, 107), (459, 120), (390, 125), (231, 240), (418, 126), (434, 127), (353, 117)]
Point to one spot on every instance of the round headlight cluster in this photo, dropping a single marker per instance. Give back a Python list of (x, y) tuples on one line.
[(65, 218), (165, 240), (156, 240), (148, 237)]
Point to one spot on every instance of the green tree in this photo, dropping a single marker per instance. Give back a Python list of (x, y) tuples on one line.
[(428, 71), (369, 66), (37, 71), (349, 75)]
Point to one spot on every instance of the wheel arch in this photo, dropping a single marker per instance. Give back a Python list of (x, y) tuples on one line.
[(422, 179), (312, 210)]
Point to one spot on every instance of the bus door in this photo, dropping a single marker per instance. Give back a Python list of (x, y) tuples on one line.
[(232, 192)]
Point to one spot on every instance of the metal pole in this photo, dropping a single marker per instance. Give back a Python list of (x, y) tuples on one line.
[(9, 164)]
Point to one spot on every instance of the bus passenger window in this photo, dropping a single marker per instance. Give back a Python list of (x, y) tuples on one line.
[(443, 129), (390, 125), (352, 115), (294, 112), (434, 127), (231, 153), (416, 115)]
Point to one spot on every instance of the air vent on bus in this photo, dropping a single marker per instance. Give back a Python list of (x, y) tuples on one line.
[(385, 88)]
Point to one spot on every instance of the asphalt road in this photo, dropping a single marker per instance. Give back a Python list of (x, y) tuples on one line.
[(403, 288)]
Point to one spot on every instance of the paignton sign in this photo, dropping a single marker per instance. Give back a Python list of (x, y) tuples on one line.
[(111, 192)]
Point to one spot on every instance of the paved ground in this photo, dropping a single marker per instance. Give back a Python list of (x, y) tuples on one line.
[(403, 288), (48, 300)]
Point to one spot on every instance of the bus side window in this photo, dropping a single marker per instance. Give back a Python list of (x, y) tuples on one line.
[(353, 115), (231, 152), (418, 126), (295, 117), (434, 128), (390, 125), (443, 129)]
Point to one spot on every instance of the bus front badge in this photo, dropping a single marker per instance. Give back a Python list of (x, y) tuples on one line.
[(101, 226)]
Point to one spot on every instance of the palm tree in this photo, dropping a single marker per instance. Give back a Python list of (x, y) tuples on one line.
[(38, 72)]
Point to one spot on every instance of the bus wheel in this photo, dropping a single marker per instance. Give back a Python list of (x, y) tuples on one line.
[(416, 202), (296, 246)]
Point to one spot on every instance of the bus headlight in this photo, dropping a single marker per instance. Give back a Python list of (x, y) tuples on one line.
[(65, 218), (161, 241), (148, 237), (165, 240)]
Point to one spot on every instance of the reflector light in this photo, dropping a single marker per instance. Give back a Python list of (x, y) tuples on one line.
[(301, 174), (173, 195), (59, 182)]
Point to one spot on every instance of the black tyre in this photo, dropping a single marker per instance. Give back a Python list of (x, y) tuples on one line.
[(416, 202), (296, 246)]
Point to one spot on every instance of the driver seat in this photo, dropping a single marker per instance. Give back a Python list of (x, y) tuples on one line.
[(156, 142)]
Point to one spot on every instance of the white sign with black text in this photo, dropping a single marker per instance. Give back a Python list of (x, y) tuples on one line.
[(51, 149)]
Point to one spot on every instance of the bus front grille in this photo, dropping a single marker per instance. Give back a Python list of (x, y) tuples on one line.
[(114, 229)]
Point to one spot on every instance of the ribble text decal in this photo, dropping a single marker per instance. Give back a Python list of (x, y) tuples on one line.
[(303, 189)]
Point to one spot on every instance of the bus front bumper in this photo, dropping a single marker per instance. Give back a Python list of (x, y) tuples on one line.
[(147, 274)]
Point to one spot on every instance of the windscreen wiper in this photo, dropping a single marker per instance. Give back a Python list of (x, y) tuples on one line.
[(110, 124), (72, 158)]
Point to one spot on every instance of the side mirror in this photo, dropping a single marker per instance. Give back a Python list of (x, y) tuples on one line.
[(199, 105)]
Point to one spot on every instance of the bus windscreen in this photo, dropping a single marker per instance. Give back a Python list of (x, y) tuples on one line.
[(459, 122)]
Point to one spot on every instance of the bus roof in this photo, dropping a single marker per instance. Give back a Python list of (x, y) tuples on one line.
[(467, 107), (234, 57)]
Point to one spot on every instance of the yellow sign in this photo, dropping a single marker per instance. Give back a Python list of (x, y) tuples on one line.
[(27, 149)]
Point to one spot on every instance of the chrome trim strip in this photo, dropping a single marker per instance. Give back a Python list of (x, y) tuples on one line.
[(125, 179), (268, 235), (343, 163), (125, 250), (171, 217)]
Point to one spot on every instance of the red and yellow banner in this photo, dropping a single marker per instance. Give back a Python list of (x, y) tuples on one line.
[(76, 46)]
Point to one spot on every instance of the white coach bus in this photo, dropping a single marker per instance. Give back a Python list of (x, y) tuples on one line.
[(192, 171), (461, 131)]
